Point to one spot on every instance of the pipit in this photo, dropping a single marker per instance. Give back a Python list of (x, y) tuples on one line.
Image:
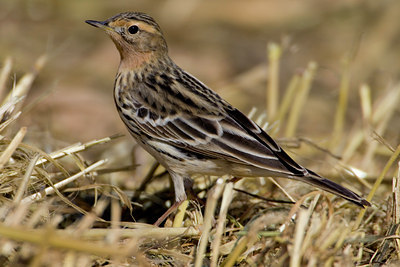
[(185, 125)]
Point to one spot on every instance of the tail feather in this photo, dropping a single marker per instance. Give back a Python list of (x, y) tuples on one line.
[(334, 188)]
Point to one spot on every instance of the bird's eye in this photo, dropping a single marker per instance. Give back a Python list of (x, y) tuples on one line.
[(133, 29)]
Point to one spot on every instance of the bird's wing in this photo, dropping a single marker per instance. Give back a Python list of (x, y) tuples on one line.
[(188, 115)]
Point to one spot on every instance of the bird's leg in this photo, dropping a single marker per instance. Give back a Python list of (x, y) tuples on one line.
[(181, 184), (168, 212)]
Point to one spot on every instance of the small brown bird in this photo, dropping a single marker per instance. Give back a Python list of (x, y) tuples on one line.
[(185, 125)]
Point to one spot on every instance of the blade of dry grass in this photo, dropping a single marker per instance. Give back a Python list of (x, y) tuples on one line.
[(4, 75), (301, 97), (359, 135), (288, 97), (25, 180), (114, 234), (7, 153), (301, 225), (282, 188), (396, 196), (274, 53), (178, 220), (51, 189), (226, 201), (147, 232), (212, 199), (340, 115), (366, 103), (303, 218), (76, 148), (396, 206)]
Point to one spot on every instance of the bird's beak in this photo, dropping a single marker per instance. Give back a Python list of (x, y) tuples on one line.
[(99, 24)]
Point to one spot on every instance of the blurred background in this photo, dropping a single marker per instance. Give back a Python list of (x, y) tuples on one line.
[(223, 43)]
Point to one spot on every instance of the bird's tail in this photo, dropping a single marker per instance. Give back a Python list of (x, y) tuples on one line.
[(334, 188)]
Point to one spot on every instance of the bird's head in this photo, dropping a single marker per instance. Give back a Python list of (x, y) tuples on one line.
[(136, 35)]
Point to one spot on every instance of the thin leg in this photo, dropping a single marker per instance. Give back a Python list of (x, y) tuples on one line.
[(181, 184), (168, 212)]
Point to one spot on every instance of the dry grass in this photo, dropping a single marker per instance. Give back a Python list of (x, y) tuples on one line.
[(68, 208)]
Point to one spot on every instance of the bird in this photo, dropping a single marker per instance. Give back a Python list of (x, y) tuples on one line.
[(186, 126)]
